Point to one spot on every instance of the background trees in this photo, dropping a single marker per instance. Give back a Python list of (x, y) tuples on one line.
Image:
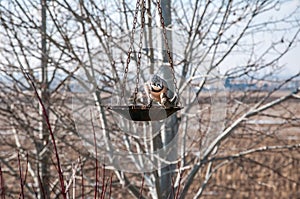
[(86, 42)]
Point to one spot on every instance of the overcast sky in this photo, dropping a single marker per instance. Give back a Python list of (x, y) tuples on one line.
[(291, 60)]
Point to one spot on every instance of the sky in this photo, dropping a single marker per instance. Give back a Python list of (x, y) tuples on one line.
[(291, 60), (264, 40), (273, 33)]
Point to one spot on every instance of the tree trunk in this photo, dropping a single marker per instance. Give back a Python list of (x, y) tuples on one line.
[(42, 152), (171, 126)]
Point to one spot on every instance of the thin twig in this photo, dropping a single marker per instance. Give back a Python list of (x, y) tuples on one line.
[(110, 185), (74, 180), (96, 160), (60, 175), (103, 182), (172, 193), (21, 178), (141, 189), (105, 187), (41, 183), (256, 150), (74, 169), (2, 189), (179, 183), (82, 180), (26, 170)]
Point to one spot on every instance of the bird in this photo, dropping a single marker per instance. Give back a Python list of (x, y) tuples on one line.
[(157, 90)]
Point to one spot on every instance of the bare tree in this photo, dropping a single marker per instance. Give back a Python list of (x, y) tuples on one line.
[(79, 51)]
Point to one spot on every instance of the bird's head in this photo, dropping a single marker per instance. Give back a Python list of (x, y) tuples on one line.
[(156, 83)]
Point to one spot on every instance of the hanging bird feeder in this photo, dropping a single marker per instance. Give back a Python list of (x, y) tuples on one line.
[(134, 111), (141, 113)]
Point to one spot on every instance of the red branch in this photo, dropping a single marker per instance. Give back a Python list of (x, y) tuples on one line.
[(61, 177)]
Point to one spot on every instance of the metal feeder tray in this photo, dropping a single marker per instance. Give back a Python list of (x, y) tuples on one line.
[(143, 113)]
